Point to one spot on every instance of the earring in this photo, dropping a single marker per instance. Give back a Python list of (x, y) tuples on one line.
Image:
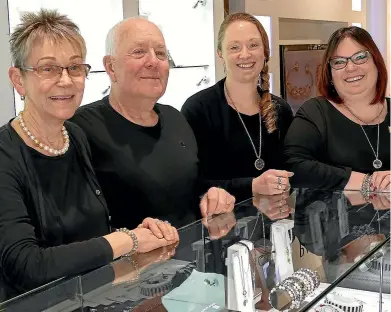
[(225, 69), (22, 97)]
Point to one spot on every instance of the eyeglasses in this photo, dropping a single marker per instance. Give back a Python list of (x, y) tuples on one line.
[(54, 71), (358, 58)]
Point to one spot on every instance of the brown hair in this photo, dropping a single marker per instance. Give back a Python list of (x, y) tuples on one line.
[(45, 24), (267, 108), (361, 36)]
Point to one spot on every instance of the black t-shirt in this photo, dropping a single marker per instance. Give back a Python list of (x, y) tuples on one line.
[(323, 146), (143, 171), (65, 186), (225, 151)]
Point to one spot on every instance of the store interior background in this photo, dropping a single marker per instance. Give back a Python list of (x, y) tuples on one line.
[(190, 28)]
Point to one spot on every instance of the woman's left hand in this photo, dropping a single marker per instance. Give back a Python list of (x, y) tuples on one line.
[(216, 201), (381, 181), (161, 229)]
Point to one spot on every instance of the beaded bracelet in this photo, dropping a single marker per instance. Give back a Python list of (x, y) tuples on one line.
[(366, 187), (133, 237)]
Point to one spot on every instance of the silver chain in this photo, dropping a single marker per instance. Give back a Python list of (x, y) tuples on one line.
[(362, 128), (358, 118), (245, 128)]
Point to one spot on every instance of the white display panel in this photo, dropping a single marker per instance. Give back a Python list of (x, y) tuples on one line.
[(357, 24), (266, 22), (93, 19), (356, 5), (94, 22), (188, 31)]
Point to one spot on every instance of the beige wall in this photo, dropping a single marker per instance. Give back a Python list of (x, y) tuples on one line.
[(309, 22)]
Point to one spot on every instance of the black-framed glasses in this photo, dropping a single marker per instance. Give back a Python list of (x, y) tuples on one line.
[(55, 71), (358, 58)]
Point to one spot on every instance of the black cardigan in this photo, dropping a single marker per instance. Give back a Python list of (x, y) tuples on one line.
[(30, 254), (224, 150), (323, 146)]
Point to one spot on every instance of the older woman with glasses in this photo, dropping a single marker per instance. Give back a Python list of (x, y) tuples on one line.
[(341, 140), (54, 220)]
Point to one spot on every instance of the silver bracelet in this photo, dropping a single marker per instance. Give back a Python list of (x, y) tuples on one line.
[(366, 187), (133, 237)]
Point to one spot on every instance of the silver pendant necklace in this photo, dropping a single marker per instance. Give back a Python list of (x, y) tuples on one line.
[(243, 278), (377, 163), (259, 162)]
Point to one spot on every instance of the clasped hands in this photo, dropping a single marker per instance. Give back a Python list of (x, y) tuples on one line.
[(157, 233)]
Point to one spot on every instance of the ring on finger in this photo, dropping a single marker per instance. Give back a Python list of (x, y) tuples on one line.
[(279, 187), (279, 180)]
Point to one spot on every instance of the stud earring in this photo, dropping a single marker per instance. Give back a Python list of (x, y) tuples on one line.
[(22, 97)]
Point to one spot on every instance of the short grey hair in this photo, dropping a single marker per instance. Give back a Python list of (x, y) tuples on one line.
[(111, 38), (36, 27)]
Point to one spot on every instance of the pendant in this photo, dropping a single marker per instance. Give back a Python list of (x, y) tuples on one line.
[(377, 163), (259, 164), (245, 302)]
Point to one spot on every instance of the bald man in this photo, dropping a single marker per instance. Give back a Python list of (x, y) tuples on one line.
[(144, 153)]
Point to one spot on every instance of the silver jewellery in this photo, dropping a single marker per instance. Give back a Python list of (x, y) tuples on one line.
[(133, 237), (243, 278), (40, 144), (259, 162), (159, 221), (215, 282), (377, 163), (344, 303), (298, 286), (366, 187)]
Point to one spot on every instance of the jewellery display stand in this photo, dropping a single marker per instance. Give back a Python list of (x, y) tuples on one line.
[(240, 291), (281, 233), (299, 66)]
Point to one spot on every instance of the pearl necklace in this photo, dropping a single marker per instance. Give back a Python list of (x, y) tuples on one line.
[(40, 144)]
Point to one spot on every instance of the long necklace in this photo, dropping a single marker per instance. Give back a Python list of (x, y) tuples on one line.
[(259, 162), (377, 163), (40, 144), (243, 280)]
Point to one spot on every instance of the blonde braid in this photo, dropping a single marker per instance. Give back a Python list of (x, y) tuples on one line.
[(268, 111)]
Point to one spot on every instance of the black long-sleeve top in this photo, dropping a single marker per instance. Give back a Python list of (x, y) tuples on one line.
[(143, 171), (323, 146), (224, 149), (52, 212)]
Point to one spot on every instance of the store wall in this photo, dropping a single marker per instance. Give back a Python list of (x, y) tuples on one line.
[(7, 110), (300, 21)]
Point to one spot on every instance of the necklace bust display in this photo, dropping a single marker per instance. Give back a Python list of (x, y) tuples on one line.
[(303, 92)]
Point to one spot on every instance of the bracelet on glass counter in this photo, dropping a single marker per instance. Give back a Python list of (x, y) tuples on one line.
[(133, 237), (366, 187)]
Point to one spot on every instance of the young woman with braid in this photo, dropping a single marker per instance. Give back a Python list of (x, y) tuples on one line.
[(239, 125)]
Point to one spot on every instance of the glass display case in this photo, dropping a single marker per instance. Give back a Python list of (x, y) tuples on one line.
[(306, 250)]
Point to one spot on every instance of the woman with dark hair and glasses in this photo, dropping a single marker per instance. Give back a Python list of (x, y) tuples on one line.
[(54, 220), (341, 140)]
